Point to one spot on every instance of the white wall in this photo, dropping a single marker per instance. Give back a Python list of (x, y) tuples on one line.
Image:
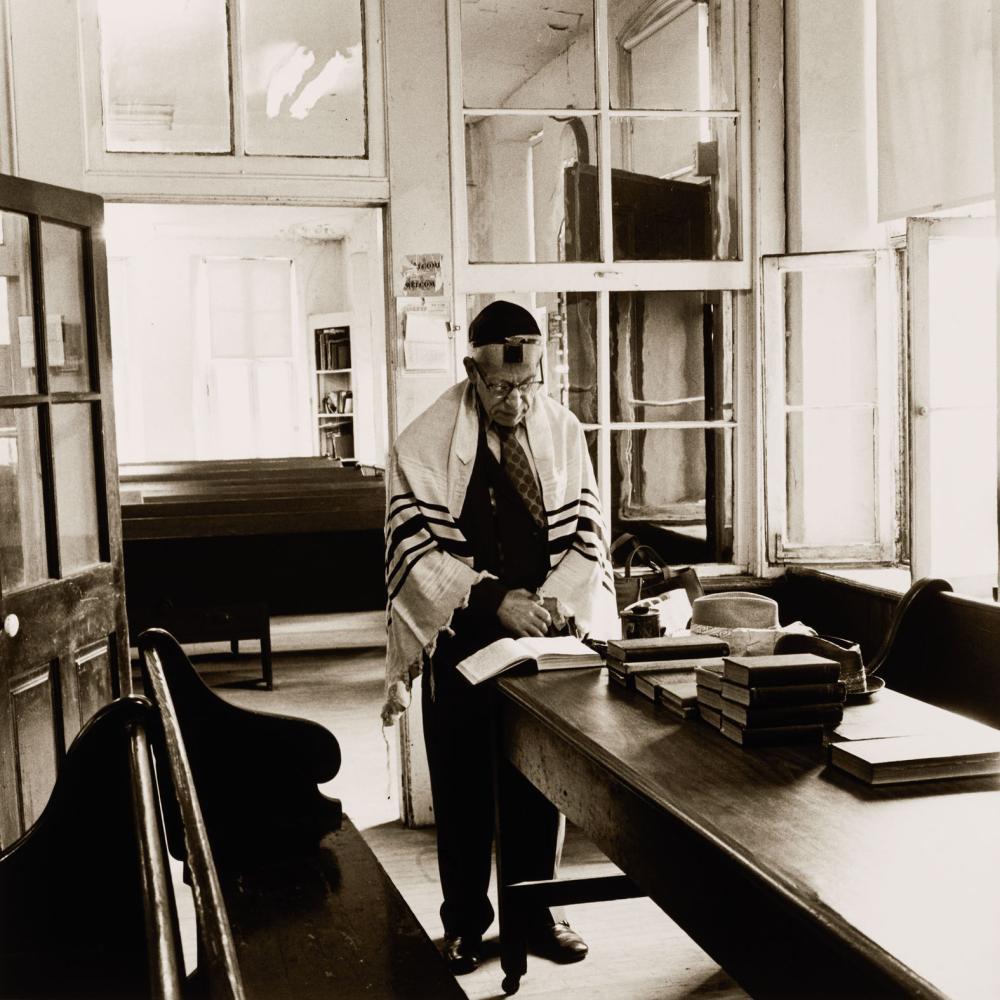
[(830, 126)]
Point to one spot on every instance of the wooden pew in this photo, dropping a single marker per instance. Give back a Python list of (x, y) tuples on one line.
[(86, 905), (930, 643), (312, 911), (213, 549)]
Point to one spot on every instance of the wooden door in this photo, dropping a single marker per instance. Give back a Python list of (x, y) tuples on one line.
[(63, 643)]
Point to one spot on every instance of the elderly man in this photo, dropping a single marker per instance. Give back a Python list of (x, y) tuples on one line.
[(492, 506)]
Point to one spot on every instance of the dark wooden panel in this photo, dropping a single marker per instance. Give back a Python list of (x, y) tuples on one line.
[(949, 653), (310, 573), (94, 678), (35, 729)]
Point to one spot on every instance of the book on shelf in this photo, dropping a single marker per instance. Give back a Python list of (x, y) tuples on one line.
[(782, 715), (548, 653), (781, 668), (784, 694), (708, 674), (770, 736), (928, 757), (710, 715), (667, 647)]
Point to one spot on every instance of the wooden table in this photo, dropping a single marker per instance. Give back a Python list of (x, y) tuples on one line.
[(798, 880)]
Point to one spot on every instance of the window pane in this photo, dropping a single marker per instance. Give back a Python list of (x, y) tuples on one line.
[(23, 548), (672, 55), (531, 185), (304, 77), (528, 54), (830, 343), (65, 310), (250, 308), (76, 485), (963, 321), (674, 490), (831, 488), (568, 320), (276, 409), (963, 507), (671, 356), (675, 188), (18, 373), (165, 76), (233, 416)]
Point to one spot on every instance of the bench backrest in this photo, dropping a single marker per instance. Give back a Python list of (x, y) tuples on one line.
[(86, 908), (256, 773)]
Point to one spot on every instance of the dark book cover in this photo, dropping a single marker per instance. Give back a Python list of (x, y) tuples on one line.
[(672, 647), (677, 693), (771, 736), (783, 715), (785, 694), (782, 668)]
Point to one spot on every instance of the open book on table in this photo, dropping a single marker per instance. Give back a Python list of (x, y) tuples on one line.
[(549, 653)]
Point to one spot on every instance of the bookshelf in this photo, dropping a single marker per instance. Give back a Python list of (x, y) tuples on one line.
[(334, 411)]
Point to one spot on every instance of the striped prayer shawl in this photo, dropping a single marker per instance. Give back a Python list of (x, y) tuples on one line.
[(428, 564)]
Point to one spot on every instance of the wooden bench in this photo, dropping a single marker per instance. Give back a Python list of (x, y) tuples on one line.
[(86, 904), (930, 643), (312, 911), (213, 549)]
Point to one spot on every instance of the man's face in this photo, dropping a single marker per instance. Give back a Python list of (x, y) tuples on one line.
[(492, 378)]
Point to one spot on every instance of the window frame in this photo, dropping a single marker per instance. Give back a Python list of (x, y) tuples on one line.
[(609, 275), (883, 550), (920, 232), (235, 163)]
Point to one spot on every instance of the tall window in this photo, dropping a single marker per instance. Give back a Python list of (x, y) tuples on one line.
[(600, 166), (881, 405), (253, 409)]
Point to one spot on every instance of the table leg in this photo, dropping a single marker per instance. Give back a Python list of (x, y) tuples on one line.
[(513, 944)]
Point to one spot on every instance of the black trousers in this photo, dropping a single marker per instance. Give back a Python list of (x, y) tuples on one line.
[(458, 738)]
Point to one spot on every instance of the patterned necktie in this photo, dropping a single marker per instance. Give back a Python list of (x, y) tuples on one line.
[(515, 463)]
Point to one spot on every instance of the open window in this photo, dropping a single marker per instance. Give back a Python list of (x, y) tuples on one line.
[(951, 282), (830, 399)]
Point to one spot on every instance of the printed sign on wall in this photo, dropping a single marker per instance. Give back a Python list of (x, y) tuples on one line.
[(422, 274)]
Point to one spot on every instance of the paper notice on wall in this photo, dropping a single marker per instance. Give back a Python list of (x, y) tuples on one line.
[(426, 346), (422, 274)]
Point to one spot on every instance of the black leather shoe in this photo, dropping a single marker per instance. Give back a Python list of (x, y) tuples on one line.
[(462, 953), (559, 942)]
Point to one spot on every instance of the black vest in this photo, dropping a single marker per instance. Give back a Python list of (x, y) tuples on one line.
[(504, 540)]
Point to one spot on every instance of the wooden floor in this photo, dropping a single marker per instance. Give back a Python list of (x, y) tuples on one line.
[(636, 951)]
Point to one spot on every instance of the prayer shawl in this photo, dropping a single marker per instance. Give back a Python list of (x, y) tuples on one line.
[(428, 566)]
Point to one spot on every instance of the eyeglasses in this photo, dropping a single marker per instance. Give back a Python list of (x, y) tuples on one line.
[(501, 388)]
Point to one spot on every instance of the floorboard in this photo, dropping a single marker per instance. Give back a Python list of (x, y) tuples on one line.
[(637, 952)]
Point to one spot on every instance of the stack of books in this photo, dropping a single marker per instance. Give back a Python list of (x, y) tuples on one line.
[(628, 658), (786, 698), (672, 689), (708, 679)]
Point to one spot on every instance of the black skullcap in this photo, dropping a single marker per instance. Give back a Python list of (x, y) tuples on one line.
[(500, 320)]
